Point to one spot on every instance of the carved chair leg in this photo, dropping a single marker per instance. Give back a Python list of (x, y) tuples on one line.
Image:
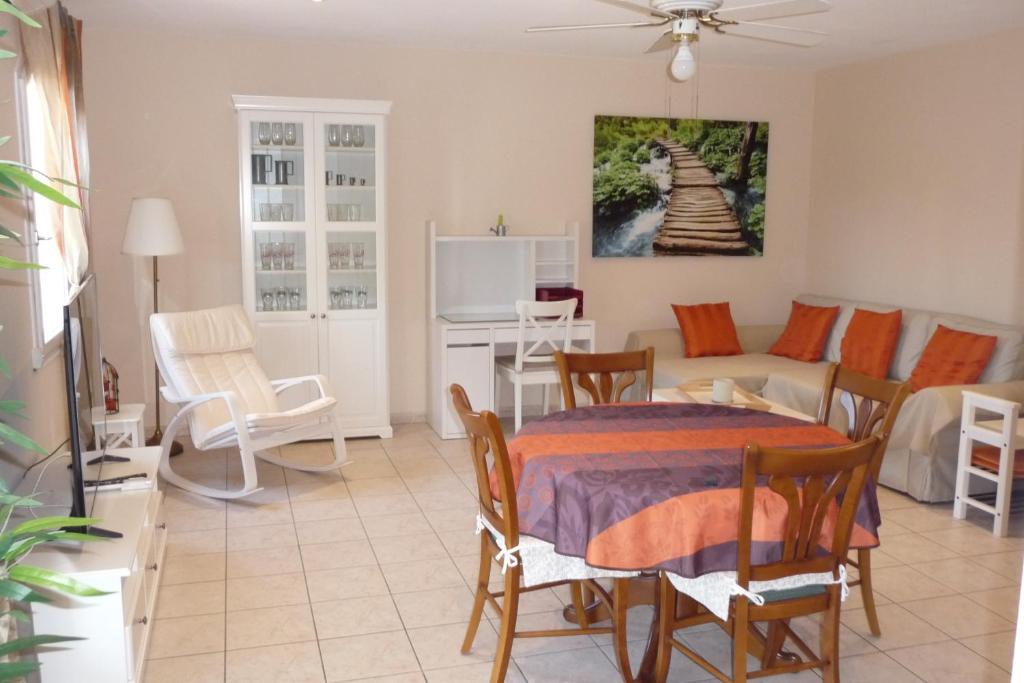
[(482, 582), (666, 615), (867, 592), (830, 639), (506, 634)]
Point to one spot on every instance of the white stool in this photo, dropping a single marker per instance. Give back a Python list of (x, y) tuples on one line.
[(997, 463), (123, 428)]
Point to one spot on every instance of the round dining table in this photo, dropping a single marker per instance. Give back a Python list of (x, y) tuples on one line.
[(651, 487)]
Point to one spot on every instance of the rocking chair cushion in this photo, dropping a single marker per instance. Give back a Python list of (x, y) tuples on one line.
[(213, 330), (256, 422)]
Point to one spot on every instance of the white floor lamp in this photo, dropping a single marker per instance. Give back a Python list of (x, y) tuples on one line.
[(153, 231)]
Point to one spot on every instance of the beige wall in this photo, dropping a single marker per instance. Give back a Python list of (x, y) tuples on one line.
[(918, 180), (471, 135)]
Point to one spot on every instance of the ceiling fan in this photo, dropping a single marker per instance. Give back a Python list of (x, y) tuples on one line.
[(686, 17)]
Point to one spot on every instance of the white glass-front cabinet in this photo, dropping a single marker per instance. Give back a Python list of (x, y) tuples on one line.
[(314, 246)]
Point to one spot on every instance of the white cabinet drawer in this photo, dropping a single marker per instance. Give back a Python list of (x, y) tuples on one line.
[(509, 335), (466, 337)]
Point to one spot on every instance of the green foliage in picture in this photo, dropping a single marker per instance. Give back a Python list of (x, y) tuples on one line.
[(620, 188)]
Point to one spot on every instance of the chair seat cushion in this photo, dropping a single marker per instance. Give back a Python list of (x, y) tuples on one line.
[(272, 421), (793, 593), (987, 458)]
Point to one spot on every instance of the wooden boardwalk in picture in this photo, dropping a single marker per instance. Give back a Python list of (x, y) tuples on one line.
[(698, 221)]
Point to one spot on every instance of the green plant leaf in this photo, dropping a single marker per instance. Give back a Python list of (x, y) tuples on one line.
[(9, 234), (12, 264), (7, 8), (18, 501), (10, 671), (4, 180), (29, 181), (4, 369), (51, 523), (46, 578), (7, 54), (16, 591), (17, 615), (14, 407), (28, 642), (12, 435)]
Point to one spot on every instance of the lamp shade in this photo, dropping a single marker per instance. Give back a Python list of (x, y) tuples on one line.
[(152, 228)]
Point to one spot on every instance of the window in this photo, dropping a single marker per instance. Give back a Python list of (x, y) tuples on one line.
[(49, 285)]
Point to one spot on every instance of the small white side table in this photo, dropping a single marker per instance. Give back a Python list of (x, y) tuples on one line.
[(123, 428)]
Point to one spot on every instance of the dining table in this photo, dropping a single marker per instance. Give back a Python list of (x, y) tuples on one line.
[(635, 489)]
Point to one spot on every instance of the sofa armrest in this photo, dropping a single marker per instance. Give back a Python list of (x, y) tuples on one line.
[(668, 341), (930, 411), (758, 338)]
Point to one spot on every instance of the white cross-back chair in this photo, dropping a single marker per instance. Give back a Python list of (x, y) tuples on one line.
[(210, 371), (547, 327)]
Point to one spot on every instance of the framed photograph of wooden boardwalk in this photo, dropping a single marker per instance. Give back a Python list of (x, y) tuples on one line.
[(679, 187)]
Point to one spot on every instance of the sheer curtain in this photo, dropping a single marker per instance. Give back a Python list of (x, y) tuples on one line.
[(53, 65)]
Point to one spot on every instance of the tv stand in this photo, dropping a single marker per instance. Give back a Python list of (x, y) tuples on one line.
[(115, 627)]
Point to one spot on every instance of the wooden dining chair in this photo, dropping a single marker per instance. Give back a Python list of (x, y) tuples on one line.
[(608, 388), (484, 434), (815, 486), (872, 406)]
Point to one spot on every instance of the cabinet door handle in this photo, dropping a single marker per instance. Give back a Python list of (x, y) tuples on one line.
[(312, 316), (142, 620), (161, 525), (153, 567), (323, 315)]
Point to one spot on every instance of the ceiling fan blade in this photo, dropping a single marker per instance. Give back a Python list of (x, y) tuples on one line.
[(786, 35), (580, 27), (665, 42), (642, 9), (773, 10)]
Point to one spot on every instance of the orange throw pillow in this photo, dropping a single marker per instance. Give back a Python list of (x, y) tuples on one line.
[(708, 330), (952, 357), (806, 332), (870, 342)]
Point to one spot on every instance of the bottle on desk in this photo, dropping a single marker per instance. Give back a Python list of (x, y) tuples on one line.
[(500, 230)]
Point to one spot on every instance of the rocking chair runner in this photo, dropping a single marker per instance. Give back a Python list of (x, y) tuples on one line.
[(209, 368)]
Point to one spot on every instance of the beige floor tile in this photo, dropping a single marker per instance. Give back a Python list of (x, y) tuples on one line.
[(208, 668), (525, 647), (880, 558), (995, 647), (916, 548), (412, 677), (472, 673), (368, 468), (385, 486), (1008, 564), (424, 467), (348, 582), (193, 569), (328, 508), (299, 477), (319, 556), (355, 616), (396, 504), (849, 642), (435, 607), (244, 513), (417, 547), (330, 530), (889, 499), (469, 567), (454, 519), (276, 590), (900, 628), (269, 626), (292, 662), (946, 662), (407, 524), (681, 669), (855, 599), (924, 517), (438, 647), (873, 668), (439, 484), (963, 575), (187, 636), (900, 584), (404, 577), (970, 540), (364, 444), (267, 495), (327, 489), (569, 667), (176, 499), (359, 657), (262, 537), (460, 542), (958, 616), (455, 498), (190, 599), (538, 601), (263, 562), (181, 543), (195, 519), (1002, 601), (890, 530)]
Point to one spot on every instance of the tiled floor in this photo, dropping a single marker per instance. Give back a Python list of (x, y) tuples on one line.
[(366, 577)]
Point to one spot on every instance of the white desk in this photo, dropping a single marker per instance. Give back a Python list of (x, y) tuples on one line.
[(463, 353)]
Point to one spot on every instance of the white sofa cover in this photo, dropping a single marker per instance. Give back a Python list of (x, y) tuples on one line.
[(922, 453)]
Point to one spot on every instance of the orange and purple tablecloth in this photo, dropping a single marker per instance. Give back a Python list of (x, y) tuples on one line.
[(656, 485)]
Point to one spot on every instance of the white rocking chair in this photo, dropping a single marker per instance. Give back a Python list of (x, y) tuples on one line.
[(207, 363)]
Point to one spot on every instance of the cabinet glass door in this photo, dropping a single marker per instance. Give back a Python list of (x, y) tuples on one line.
[(351, 270), (349, 170), (278, 170), (280, 270)]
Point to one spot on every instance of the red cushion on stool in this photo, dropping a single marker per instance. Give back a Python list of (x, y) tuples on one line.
[(987, 458)]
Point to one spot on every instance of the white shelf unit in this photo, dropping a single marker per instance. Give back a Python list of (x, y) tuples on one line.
[(312, 318)]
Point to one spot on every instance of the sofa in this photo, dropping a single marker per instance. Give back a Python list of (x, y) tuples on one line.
[(922, 454)]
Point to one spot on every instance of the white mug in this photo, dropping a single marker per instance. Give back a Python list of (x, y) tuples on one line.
[(721, 390)]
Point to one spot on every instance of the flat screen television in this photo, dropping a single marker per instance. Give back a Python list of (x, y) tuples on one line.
[(83, 377)]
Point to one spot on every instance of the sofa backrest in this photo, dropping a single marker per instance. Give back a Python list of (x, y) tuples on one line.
[(918, 325)]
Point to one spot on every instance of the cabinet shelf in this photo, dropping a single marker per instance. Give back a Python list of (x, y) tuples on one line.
[(257, 186), (350, 150), (352, 270), (553, 262), (260, 271), (351, 187), (279, 148)]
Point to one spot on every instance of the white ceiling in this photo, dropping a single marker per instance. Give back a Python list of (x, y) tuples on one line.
[(860, 29)]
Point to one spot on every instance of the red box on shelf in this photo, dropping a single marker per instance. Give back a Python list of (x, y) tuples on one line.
[(562, 294)]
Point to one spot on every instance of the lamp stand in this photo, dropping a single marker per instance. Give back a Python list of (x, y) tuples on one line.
[(158, 433)]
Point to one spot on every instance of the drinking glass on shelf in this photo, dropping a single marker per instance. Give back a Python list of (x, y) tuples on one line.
[(344, 251), (277, 256), (264, 212), (276, 212), (358, 137), (333, 255), (277, 133), (296, 301), (346, 136), (288, 255), (266, 256), (361, 296), (333, 135), (355, 212), (267, 296), (346, 297), (282, 299), (358, 253), (290, 134), (335, 298), (288, 212), (263, 132)]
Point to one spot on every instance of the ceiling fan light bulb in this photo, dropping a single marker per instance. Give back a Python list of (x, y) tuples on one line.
[(683, 64)]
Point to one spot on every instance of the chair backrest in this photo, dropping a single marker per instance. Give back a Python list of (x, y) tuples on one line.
[(872, 405), (1008, 411), (211, 350), (603, 366), (820, 490), (484, 434), (555, 317)]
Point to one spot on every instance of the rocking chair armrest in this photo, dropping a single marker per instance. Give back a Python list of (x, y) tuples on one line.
[(281, 385)]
